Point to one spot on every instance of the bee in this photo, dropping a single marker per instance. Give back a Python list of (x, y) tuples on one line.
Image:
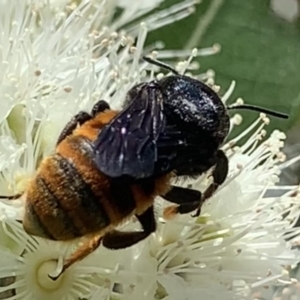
[(111, 165)]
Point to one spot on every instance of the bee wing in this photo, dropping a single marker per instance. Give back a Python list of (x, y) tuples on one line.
[(127, 145)]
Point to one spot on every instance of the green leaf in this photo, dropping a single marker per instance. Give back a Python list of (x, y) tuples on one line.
[(259, 50)]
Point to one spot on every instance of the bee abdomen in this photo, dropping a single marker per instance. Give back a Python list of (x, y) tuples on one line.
[(44, 216), (61, 205)]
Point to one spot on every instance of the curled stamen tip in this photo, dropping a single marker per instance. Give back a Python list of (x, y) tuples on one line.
[(194, 52), (239, 101), (237, 119), (124, 41), (114, 35), (294, 280), (279, 134), (210, 73), (191, 9), (281, 156), (54, 277), (58, 271), (132, 49), (282, 135), (216, 88), (274, 179), (104, 43), (154, 54), (160, 76), (210, 82), (143, 25), (285, 272), (263, 132), (262, 116), (217, 47)]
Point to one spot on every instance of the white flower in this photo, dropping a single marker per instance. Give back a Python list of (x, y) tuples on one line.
[(56, 62), (243, 242), (103, 272), (40, 258), (59, 57), (239, 243), (136, 5)]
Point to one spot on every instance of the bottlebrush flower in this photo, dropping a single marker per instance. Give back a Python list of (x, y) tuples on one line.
[(59, 57)]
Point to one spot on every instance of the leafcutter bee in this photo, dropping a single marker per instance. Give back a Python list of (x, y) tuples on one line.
[(111, 165)]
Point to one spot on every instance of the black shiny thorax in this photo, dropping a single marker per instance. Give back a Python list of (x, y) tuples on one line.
[(190, 103), (195, 104), (176, 123), (196, 124)]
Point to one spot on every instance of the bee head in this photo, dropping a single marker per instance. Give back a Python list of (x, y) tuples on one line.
[(191, 104), (195, 105)]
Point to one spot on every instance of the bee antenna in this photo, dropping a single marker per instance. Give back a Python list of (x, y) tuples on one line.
[(12, 197), (259, 109), (159, 64)]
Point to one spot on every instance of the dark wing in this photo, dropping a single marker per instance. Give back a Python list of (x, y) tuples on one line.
[(127, 145)]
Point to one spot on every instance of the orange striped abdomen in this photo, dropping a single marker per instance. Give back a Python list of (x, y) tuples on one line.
[(67, 199)]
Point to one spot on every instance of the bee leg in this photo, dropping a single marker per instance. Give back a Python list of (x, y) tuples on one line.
[(80, 118), (99, 107), (122, 239), (84, 250), (188, 200), (181, 195), (219, 175)]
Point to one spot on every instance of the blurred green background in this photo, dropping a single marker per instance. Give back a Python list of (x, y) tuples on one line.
[(260, 51)]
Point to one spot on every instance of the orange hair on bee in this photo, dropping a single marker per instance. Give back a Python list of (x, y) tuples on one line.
[(71, 198), (90, 129)]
